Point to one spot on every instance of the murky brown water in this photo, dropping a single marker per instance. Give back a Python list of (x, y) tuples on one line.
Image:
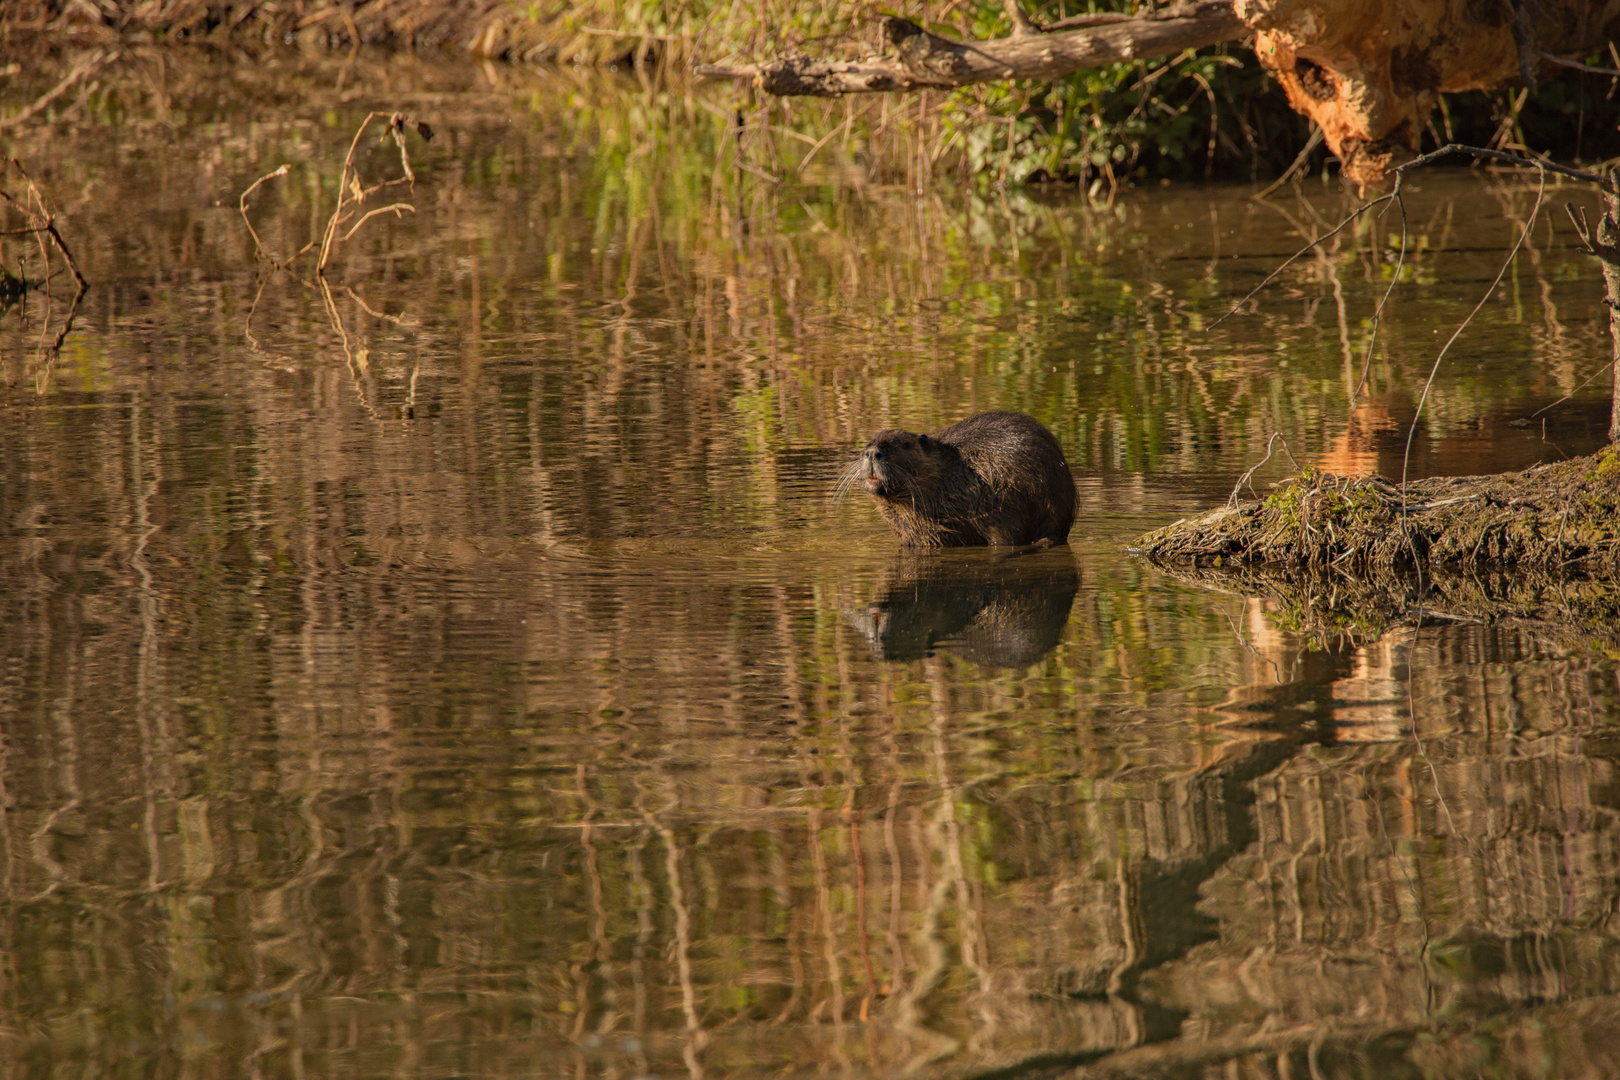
[(467, 673)]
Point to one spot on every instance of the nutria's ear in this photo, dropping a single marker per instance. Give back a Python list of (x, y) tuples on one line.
[(924, 442)]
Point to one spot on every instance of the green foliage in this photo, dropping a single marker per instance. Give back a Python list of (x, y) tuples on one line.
[(1207, 113), (1210, 113)]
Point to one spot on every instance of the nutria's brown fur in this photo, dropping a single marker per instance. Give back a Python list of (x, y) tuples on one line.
[(994, 478)]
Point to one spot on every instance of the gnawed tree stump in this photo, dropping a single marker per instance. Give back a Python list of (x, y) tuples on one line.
[(1368, 72)]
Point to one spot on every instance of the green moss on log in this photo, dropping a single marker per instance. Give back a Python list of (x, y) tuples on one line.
[(1559, 517)]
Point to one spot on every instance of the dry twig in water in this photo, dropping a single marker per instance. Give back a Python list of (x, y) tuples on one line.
[(351, 194), (41, 224), (349, 179)]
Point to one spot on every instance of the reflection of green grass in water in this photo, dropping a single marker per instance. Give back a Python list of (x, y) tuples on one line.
[(616, 223)]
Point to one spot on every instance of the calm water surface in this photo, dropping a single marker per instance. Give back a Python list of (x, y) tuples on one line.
[(464, 670)]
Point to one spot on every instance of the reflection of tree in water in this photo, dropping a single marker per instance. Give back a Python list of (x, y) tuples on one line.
[(912, 868), (992, 608)]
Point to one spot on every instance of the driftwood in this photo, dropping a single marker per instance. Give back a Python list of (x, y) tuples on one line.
[(927, 61)]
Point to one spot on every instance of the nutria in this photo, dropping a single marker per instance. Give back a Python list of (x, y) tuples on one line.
[(994, 478)]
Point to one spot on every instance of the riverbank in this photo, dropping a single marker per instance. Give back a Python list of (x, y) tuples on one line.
[(1352, 555), (1551, 517), (481, 28)]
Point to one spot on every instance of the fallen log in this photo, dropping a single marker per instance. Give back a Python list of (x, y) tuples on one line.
[(928, 61)]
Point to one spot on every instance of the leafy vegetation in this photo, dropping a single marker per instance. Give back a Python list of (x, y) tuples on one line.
[(1212, 113)]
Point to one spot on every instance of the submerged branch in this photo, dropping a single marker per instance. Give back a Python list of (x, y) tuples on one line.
[(926, 60)]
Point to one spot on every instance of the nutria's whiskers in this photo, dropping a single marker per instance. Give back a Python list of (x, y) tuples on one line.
[(847, 479)]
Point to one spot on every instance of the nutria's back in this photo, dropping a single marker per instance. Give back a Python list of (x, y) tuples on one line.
[(994, 478)]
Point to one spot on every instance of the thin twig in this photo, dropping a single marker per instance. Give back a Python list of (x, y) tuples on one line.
[(396, 130), (46, 223), (1578, 66), (1296, 256), (343, 186), (1604, 184), (398, 209), (1608, 366), (1244, 479), (241, 203), (1298, 164), (1489, 292), (42, 224), (1378, 312)]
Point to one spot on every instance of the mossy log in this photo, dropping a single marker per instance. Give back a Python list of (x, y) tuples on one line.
[(1554, 518)]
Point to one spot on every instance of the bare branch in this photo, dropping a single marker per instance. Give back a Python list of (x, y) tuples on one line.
[(1423, 398), (398, 209), (241, 204), (1588, 68), (1021, 23)]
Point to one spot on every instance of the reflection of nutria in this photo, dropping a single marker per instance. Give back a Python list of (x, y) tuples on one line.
[(993, 610), (994, 478)]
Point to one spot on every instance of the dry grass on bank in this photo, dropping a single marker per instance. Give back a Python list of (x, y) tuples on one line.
[(589, 32), (481, 27)]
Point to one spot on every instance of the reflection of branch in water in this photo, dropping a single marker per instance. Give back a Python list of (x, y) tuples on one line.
[(84, 68), (641, 890), (247, 323), (41, 224), (355, 359), (971, 944), (697, 1038), (1237, 632), (350, 188), (1423, 398), (601, 956)]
